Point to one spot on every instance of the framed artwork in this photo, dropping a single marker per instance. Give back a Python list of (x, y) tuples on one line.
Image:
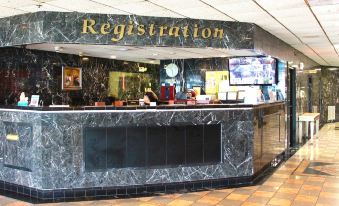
[(71, 78)]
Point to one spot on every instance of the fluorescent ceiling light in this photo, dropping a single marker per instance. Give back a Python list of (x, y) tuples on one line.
[(113, 57)]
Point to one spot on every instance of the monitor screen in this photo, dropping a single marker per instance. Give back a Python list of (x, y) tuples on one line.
[(252, 71)]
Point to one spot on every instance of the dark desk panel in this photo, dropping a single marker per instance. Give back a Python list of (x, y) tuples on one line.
[(142, 146)]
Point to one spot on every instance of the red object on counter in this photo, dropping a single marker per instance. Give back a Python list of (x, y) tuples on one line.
[(171, 96), (163, 92)]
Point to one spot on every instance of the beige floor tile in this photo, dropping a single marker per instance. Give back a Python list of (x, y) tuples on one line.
[(280, 202), (329, 195), (258, 199), (288, 190), (210, 200), (218, 194), (306, 198), (301, 203), (252, 204), (263, 194), (18, 203), (228, 202), (309, 192), (190, 197), (328, 201), (161, 200), (285, 195), (179, 202)]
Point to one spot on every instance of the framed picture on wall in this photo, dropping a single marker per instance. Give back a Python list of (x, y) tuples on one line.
[(71, 78)]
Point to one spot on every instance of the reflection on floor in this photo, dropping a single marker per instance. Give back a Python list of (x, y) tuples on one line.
[(310, 177)]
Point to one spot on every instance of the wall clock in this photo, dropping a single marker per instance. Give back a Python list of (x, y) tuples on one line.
[(172, 70)]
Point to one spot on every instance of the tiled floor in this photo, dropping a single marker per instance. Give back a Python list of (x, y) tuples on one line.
[(310, 177)]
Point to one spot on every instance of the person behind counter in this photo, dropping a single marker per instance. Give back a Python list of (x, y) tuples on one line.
[(149, 97)]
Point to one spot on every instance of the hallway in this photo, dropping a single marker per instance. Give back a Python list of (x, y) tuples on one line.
[(310, 177)]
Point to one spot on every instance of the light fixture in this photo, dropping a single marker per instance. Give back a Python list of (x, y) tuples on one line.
[(85, 59), (123, 49), (333, 69), (152, 62), (172, 53), (312, 71), (318, 69), (81, 54), (39, 3), (301, 66), (113, 57), (58, 49), (155, 54), (223, 56)]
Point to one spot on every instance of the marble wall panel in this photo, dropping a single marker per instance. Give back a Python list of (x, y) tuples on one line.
[(17, 153), (37, 72), (329, 92)]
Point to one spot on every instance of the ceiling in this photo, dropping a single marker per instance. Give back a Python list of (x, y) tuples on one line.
[(151, 55), (310, 26)]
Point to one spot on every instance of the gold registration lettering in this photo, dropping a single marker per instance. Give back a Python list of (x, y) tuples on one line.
[(119, 31), (104, 28), (88, 27)]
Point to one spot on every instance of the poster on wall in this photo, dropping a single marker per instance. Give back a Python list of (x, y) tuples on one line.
[(216, 81), (71, 78), (128, 85)]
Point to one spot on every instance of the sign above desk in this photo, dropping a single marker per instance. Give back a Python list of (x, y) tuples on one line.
[(131, 30)]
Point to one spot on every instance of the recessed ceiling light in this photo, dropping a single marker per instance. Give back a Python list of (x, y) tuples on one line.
[(200, 57), (58, 49), (155, 54), (123, 49), (333, 69), (223, 55), (319, 69), (312, 71), (81, 54), (125, 62), (113, 57), (85, 58), (172, 53), (152, 62)]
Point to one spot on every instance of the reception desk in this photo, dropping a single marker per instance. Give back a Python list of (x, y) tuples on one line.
[(57, 154)]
